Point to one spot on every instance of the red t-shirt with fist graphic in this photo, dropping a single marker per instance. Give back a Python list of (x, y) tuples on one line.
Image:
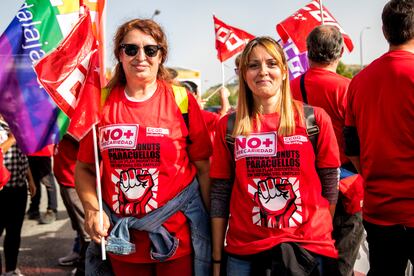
[(277, 194), (147, 160)]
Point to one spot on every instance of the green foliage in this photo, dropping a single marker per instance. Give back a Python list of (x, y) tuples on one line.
[(215, 99), (345, 70)]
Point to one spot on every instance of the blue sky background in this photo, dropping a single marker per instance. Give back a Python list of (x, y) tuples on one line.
[(190, 31)]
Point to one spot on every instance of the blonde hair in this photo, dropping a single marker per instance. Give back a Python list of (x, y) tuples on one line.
[(246, 112)]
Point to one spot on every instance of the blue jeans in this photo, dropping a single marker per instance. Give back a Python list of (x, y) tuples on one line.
[(239, 267), (243, 267), (163, 243)]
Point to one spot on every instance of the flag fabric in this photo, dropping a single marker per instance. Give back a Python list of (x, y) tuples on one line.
[(300, 24), (229, 40), (297, 62), (97, 10), (70, 75), (37, 28)]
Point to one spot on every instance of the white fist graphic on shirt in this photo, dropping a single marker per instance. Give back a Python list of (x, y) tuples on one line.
[(135, 183)]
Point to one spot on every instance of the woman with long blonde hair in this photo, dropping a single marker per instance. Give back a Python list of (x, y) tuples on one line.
[(282, 189)]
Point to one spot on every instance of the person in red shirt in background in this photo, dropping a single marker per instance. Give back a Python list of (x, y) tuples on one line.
[(65, 157), (321, 86), (210, 118), (279, 214), (41, 167), (151, 162), (379, 138)]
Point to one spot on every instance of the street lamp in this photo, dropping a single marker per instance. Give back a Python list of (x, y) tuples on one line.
[(156, 12), (360, 44)]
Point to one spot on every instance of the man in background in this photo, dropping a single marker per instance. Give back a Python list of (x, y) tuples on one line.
[(321, 86), (379, 136)]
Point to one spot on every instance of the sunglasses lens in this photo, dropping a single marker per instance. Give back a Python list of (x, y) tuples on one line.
[(151, 50), (130, 49)]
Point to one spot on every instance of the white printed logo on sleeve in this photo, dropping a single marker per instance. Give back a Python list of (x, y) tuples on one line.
[(263, 144), (295, 139), (157, 131), (118, 136)]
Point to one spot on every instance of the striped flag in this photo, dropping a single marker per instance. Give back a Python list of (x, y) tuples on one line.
[(37, 28)]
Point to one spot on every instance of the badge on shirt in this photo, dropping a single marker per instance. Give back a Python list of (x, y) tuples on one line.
[(261, 144), (295, 139), (120, 136)]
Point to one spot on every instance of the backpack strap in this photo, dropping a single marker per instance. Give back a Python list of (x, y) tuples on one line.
[(181, 99), (312, 128), (230, 141), (229, 131), (303, 89)]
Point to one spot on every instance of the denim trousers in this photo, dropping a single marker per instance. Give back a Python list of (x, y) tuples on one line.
[(244, 266), (390, 248), (163, 243)]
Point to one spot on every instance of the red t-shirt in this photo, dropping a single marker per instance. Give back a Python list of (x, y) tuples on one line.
[(328, 90), (65, 161), (277, 194), (381, 107), (147, 160), (210, 119)]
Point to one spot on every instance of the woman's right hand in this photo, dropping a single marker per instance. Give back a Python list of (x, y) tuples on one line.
[(92, 226)]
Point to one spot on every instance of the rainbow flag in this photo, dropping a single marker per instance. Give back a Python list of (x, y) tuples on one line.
[(37, 28)]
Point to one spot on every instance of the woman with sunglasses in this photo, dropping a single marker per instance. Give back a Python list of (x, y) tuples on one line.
[(153, 165), (278, 217)]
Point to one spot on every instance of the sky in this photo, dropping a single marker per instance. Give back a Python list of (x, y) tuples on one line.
[(189, 27)]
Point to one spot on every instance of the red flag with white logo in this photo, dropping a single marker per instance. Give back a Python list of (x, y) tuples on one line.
[(70, 75), (301, 23), (229, 40)]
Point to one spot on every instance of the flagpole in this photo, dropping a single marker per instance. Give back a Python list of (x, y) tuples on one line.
[(222, 74), (321, 11), (215, 91), (98, 189)]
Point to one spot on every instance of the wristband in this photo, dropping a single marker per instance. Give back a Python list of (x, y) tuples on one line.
[(216, 261)]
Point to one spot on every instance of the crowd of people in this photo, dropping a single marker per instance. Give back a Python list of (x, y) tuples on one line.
[(284, 184)]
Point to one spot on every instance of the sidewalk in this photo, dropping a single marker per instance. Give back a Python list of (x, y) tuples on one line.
[(43, 244)]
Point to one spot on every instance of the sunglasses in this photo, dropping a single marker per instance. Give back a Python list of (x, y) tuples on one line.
[(132, 49)]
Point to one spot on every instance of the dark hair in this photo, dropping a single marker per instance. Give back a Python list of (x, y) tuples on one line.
[(325, 44), (149, 27), (190, 86), (398, 21)]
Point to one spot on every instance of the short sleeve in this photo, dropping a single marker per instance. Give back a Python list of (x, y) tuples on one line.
[(349, 113), (221, 162), (327, 155), (200, 147), (85, 153)]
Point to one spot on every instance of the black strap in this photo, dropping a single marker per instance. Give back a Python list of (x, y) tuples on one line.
[(229, 132), (303, 89), (230, 139), (312, 128)]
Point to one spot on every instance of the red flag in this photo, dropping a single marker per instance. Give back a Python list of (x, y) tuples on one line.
[(302, 22), (70, 75), (229, 40)]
